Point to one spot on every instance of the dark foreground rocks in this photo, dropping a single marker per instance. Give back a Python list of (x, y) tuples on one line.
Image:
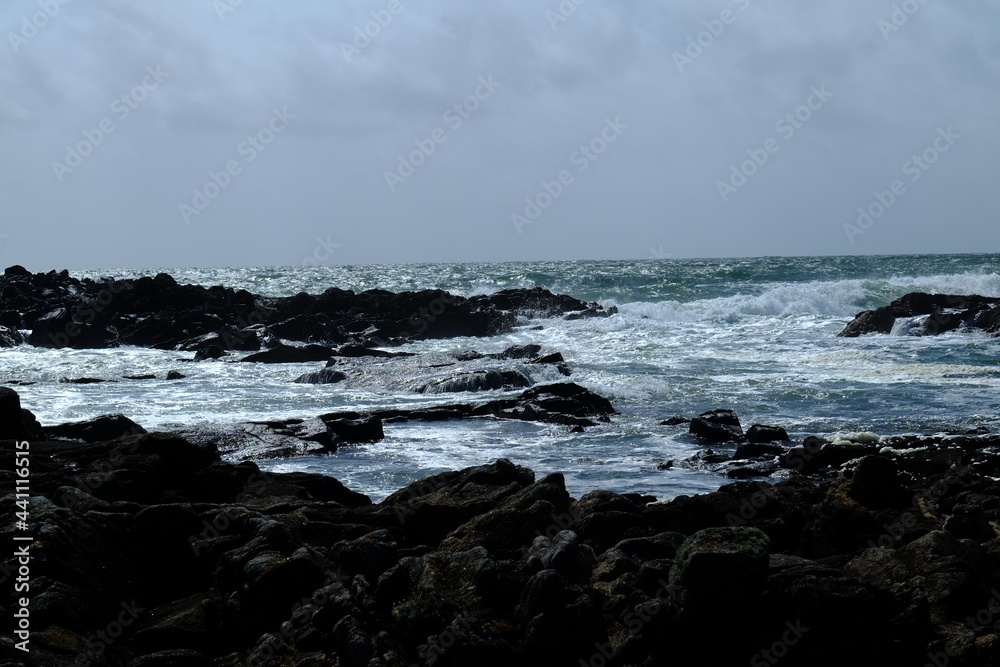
[(928, 315), (150, 550)]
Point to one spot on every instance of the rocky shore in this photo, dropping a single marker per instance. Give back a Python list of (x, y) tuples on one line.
[(157, 312), (150, 550), (176, 549)]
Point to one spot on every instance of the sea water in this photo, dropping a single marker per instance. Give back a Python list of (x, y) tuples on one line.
[(757, 335)]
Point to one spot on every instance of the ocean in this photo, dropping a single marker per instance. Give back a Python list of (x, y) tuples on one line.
[(757, 335)]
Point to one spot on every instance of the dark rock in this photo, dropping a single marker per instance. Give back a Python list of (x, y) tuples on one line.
[(355, 351), (105, 427), (16, 423), (210, 352), (83, 380), (875, 483), (717, 426), (946, 312), (354, 431), (61, 328), (759, 434), (174, 375), (325, 376), (754, 450), (675, 421), (721, 568), (288, 354), (10, 337), (519, 352), (483, 380), (554, 358), (147, 376)]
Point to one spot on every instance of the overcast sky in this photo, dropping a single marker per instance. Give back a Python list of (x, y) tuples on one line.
[(622, 122)]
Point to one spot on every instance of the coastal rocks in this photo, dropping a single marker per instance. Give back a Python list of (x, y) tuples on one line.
[(721, 568), (106, 427), (10, 337), (62, 328), (939, 312), (760, 434), (290, 354), (325, 376), (717, 426), (16, 423), (438, 372), (480, 380), (62, 311), (204, 562)]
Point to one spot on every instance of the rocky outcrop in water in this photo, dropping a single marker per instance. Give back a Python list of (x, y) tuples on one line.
[(157, 312), (150, 550), (935, 313)]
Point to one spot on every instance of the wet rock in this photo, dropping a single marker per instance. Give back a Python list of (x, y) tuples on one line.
[(325, 376), (482, 380), (16, 423), (10, 337), (83, 380), (367, 429), (210, 352), (945, 312), (290, 354), (105, 427), (758, 434), (717, 426)]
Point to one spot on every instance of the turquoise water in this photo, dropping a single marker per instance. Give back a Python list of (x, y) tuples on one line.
[(757, 335)]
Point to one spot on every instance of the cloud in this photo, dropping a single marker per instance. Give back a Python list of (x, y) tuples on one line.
[(357, 111)]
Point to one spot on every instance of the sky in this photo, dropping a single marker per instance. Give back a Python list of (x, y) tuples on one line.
[(253, 133)]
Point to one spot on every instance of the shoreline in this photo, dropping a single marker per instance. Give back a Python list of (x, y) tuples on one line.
[(222, 564)]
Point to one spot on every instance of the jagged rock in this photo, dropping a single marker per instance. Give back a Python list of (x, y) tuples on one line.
[(945, 312), (484, 380), (10, 337), (325, 376), (717, 426), (289, 354), (105, 427), (210, 352), (16, 423), (759, 434)]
